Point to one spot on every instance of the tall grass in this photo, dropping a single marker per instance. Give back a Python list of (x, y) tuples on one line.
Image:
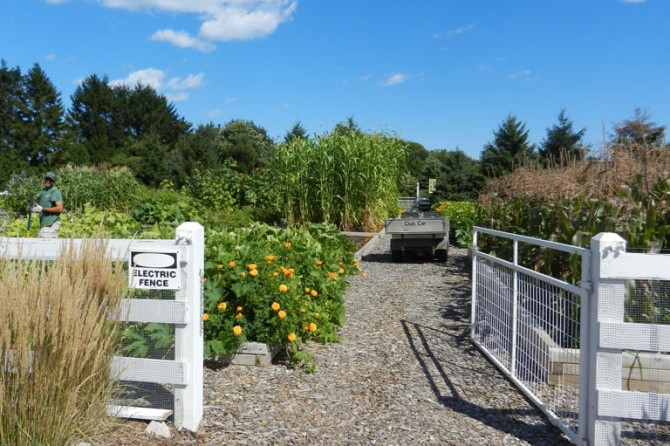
[(347, 179), (56, 344)]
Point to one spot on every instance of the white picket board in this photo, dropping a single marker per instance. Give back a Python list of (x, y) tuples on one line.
[(160, 371), (647, 360), (629, 265), (153, 310), (634, 405), (50, 248), (138, 413), (630, 336)]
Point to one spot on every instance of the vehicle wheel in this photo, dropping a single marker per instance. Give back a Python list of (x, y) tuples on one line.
[(396, 255), (441, 255)]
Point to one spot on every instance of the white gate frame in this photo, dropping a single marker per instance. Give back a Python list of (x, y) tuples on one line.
[(608, 404), (185, 373), (606, 266)]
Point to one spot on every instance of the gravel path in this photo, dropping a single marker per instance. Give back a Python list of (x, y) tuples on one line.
[(404, 373)]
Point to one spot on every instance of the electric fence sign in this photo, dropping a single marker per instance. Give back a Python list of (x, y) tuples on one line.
[(154, 270)]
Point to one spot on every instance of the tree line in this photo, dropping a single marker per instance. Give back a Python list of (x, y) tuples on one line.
[(137, 127)]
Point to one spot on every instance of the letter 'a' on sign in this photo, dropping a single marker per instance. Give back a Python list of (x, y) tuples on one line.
[(154, 270)]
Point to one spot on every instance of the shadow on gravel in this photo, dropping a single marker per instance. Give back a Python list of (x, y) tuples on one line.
[(409, 257), (509, 421)]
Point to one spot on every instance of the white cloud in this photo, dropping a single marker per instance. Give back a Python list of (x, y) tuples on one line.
[(243, 23), (182, 39), (230, 100), (461, 30), (151, 77), (394, 79), (365, 78), (189, 83), (175, 89), (50, 57), (177, 97), (222, 20), (454, 32), (526, 75), (633, 1)]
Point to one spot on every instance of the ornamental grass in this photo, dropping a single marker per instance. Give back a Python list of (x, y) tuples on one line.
[(56, 345)]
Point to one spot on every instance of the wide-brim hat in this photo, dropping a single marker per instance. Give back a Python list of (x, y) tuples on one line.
[(50, 175)]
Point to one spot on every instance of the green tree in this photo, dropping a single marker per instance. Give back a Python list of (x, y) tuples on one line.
[(246, 143), (298, 131), (42, 119), (346, 128), (416, 158), (197, 150), (457, 176), (144, 112), (11, 99), (96, 135), (148, 158), (562, 142), (639, 134), (510, 149)]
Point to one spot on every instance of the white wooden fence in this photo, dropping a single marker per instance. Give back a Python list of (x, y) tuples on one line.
[(185, 373), (519, 318)]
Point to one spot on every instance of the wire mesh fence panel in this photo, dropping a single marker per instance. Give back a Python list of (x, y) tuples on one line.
[(492, 326), (547, 346), (538, 347)]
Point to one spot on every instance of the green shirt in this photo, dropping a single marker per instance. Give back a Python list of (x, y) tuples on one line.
[(48, 198)]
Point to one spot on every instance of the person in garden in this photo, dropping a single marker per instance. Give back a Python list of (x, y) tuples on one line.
[(49, 205)]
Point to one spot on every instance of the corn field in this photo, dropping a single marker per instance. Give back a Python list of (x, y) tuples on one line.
[(347, 179)]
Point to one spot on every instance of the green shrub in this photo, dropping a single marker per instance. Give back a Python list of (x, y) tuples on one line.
[(101, 187), (216, 189), (281, 287), (166, 206), (462, 215)]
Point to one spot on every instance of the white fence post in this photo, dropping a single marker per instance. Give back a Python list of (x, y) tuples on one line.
[(604, 365), (189, 336)]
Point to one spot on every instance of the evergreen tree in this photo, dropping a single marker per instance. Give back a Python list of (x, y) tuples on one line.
[(639, 134), (97, 136), (149, 159), (344, 128), (562, 142), (298, 131), (510, 149), (197, 150), (11, 100), (41, 119), (144, 112)]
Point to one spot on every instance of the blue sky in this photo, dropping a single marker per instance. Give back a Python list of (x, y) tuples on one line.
[(442, 73)]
